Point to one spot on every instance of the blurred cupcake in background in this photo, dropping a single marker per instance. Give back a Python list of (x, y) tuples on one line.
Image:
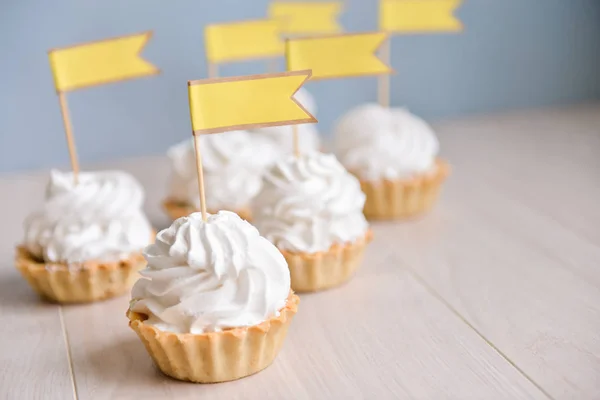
[(85, 243), (233, 164), (394, 154), (308, 134), (310, 207)]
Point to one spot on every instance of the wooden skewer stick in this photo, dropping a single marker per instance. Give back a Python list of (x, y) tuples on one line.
[(200, 177), (384, 80), (296, 141), (213, 70), (272, 65), (64, 110)]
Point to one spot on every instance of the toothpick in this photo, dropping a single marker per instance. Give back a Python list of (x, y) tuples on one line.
[(213, 70), (200, 177), (384, 80), (294, 127), (272, 65), (296, 141), (64, 110)]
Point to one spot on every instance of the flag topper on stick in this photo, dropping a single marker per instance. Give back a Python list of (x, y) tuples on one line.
[(336, 56), (413, 17), (238, 41), (227, 104), (307, 17), (96, 63)]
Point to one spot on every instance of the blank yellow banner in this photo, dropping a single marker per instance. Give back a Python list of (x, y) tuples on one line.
[(419, 16), (226, 104), (307, 17), (337, 56), (100, 62), (243, 40)]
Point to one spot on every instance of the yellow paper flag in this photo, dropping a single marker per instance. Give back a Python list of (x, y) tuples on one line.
[(337, 56), (227, 104), (243, 40), (419, 16), (307, 17), (104, 61)]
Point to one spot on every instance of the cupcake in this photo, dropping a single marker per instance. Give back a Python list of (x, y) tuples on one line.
[(310, 207), (233, 164), (283, 137), (395, 156), (214, 303), (85, 243)]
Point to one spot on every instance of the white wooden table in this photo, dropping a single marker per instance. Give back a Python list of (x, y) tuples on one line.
[(494, 295)]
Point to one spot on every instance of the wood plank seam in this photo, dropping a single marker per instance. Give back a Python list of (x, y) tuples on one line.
[(559, 262), (536, 246), (68, 347), (435, 294)]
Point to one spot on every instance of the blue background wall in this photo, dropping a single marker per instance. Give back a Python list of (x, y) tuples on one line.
[(513, 54)]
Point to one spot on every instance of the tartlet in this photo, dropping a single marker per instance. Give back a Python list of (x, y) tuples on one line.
[(85, 242), (79, 283), (311, 272), (389, 199), (214, 303), (216, 356), (310, 207), (394, 154)]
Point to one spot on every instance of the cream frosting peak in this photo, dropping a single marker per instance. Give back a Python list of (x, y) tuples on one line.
[(210, 276), (309, 203), (233, 163), (100, 218), (378, 143)]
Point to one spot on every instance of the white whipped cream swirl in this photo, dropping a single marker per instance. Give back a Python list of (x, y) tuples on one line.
[(307, 204), (210, 276), (378, 143), (100, 218), (233, 163)]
